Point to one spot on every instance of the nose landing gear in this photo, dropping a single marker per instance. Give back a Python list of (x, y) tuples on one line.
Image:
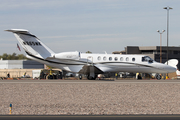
[(158, 76)]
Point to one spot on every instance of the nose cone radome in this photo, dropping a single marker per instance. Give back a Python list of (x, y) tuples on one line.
[(170, 69), (166, 68)]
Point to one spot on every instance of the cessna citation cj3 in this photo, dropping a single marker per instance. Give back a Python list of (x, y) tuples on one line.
[(87, 64)]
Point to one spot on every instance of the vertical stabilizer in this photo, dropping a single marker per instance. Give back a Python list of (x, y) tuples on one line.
[(31, 44)]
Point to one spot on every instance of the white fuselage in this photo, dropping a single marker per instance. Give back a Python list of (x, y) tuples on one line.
[(89, 64), (106, 63)]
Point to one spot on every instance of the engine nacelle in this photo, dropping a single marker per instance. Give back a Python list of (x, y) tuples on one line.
[(68, 55)]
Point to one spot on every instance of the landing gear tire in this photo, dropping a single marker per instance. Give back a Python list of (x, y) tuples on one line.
[(95, 77), (158, 76), (91, 78)]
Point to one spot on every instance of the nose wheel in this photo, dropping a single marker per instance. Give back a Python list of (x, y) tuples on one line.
[(158, 76)]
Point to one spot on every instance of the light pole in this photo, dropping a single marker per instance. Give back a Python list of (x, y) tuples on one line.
[(167, 8), (160, 44)]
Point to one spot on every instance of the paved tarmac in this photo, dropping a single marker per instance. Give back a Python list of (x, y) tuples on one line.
[(90, 97)]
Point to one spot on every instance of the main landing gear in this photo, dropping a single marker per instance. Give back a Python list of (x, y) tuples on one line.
[(88, 77), (91, 77)]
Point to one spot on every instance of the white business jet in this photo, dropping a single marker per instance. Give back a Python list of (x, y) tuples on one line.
[(87, 64)]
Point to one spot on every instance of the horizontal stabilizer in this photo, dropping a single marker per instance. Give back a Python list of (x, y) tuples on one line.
[(22, 31), (17, 30)]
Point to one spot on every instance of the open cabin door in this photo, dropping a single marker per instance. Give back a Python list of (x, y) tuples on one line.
[(91, 68)]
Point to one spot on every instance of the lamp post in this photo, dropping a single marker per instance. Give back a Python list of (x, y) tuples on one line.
[(160, 44), (167, 8)]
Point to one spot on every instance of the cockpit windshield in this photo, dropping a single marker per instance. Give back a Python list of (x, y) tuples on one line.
[(147, 59)]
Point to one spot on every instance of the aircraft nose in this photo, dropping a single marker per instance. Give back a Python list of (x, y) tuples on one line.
[(166, 68), (170, 69)]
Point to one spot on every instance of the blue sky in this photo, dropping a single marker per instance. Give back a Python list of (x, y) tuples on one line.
[(90, 25)]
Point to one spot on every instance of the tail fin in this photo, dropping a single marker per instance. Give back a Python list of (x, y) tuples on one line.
[(31, 44)]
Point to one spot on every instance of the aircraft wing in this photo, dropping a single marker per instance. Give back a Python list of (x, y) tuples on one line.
[(86, 69)]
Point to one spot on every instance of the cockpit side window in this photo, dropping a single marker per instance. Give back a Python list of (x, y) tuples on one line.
[(147, 59), (143, 59)]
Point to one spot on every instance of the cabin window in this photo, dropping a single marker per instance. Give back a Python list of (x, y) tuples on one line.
[(115, 58), (133, 59), (110, 58), (121, 59), (104, 58), (99, 58), (127, 59)]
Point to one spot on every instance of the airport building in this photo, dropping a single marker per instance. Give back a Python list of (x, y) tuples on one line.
[(20, 64), (153, 52), (16, 68)]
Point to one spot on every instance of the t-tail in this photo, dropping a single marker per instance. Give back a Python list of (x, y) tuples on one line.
[(31, 44)]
